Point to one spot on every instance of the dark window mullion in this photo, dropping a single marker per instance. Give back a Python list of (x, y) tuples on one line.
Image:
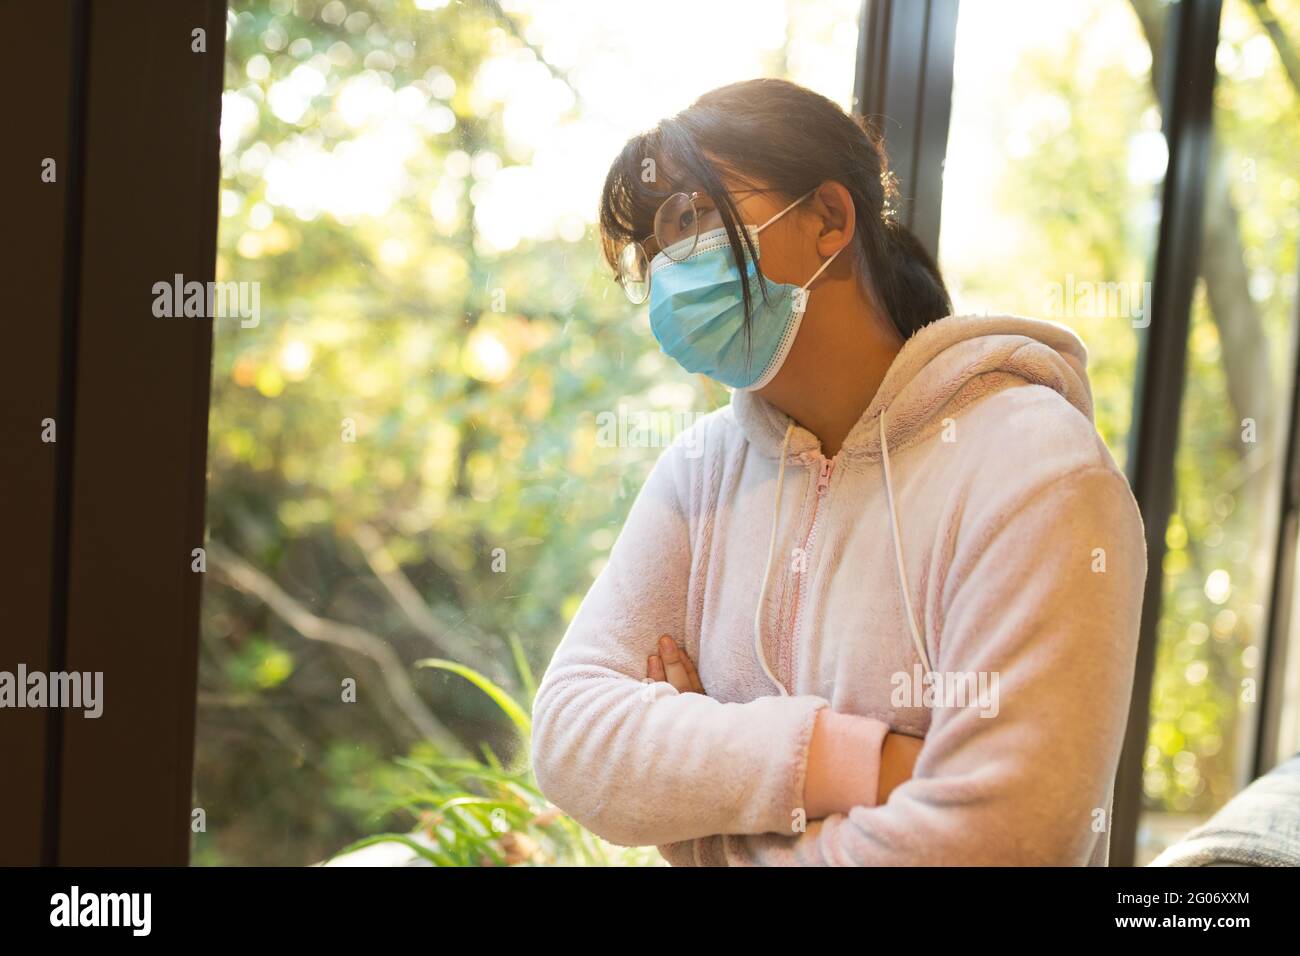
[(934, 112), (142, 383), (1187, 95), (34, 387), (904, 83)]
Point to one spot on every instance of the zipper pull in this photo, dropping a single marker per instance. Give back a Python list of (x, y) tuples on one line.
[(824, 479)]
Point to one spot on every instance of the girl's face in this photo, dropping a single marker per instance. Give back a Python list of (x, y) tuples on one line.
[(799, 241)]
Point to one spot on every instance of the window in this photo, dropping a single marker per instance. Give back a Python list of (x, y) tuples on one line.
[(1051, 207), (432, 406), (1232, 440), (425, 446), (1051, 188)]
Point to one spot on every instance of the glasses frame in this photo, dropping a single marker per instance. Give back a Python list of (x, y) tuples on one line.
[(640, 244)]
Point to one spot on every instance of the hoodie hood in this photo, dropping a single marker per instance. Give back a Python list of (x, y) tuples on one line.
[(944, 365)]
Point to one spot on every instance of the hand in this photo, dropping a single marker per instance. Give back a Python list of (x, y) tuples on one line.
[(897, 758), (837, 779), (836, 740), (673, 665)]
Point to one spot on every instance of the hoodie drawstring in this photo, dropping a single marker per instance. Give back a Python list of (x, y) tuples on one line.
[(898, 550), (917, 642)]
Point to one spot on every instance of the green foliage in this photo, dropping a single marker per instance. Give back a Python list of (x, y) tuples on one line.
[(470, 376), (1231, 440), (481, 813), (473, 507)]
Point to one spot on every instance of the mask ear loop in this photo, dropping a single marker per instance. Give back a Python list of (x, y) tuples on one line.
[(801, 300), (759, 229), (784, 211), (801, 297)]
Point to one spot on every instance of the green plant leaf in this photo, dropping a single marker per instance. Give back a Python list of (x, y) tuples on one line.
[(518, 716)]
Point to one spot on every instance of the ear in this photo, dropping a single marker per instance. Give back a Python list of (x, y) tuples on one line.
[(833, 205)]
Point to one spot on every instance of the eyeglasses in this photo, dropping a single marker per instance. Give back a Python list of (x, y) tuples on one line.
[(678, 223)]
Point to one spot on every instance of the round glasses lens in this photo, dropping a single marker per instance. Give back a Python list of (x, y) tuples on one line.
[(634, 273), (677, 226)]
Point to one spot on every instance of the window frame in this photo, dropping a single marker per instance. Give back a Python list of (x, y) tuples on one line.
[(108, 516), (96, 588)]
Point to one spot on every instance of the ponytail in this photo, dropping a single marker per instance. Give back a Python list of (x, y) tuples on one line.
[(915, 294)]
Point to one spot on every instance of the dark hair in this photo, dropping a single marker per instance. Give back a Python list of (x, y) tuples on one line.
[(785, 137)]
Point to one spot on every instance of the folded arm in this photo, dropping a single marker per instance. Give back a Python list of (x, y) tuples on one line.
[(852, 760), (1047, 608), (638, 762)]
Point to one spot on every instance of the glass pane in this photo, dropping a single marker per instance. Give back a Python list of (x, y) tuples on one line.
[(1232, 439), (1052, 180), (424, 442)]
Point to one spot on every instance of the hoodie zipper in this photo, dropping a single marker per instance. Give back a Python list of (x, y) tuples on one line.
[(796, 614)]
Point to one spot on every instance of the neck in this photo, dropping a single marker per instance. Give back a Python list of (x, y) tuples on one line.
[(831, 375)]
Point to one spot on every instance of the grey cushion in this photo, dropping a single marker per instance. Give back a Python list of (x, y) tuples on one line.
[(1258, 827)]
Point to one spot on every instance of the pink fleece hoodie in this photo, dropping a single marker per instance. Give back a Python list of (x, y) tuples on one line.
[(972, 535)]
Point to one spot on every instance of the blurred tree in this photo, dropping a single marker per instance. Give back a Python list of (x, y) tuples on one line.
[(403, 455)]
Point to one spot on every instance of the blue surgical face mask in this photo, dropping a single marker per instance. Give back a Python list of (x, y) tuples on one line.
[(697, 311)]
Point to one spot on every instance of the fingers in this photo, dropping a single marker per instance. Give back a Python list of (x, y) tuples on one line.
[(674, 665), (691, 673), (672, 656), (654, 668)]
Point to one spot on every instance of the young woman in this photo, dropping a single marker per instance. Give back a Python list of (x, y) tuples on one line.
[(883, 607)]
